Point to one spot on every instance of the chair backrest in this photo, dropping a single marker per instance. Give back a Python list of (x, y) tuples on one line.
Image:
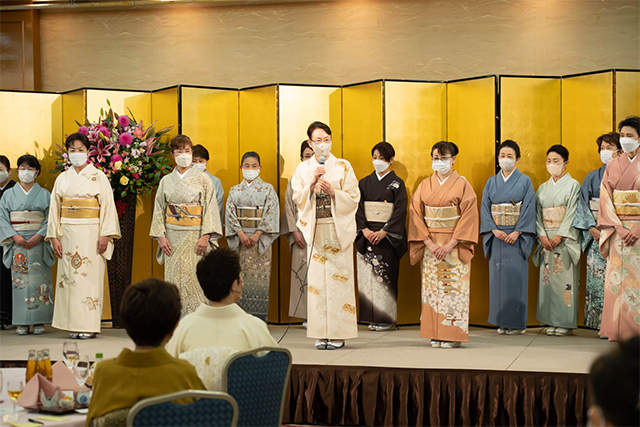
[(213, 408), (258, 383)]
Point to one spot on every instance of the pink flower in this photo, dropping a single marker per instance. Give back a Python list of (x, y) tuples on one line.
[(138, 133), (125, 138), (135, 175), (123, 121), (100, 151), (116, 158), (105, 132), (83, 130)]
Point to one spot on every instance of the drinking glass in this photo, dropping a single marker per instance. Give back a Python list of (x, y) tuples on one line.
[(14, 389), (70, 353), (82, 368)]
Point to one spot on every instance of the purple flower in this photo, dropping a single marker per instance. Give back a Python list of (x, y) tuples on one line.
[(123, 121), (105, 131), (126, 139), (83, 130)]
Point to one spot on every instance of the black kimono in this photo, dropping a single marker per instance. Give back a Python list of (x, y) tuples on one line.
[(6, 298)]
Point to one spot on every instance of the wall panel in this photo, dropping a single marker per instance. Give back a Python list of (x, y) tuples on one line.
[(627, 95)]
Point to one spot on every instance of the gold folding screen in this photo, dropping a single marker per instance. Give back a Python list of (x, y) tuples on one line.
[(627, 94)]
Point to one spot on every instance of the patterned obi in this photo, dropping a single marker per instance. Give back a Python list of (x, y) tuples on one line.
[(441, 217), (323, 206), (378, 211), (506, 214), (26, 220), (185, 214), (249, 217), (80, 208), (626, 202), (594, 207), (552, 217)]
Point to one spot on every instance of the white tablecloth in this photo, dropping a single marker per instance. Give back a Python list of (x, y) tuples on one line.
[(9, 374)]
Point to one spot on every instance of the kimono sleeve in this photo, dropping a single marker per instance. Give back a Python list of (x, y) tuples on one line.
[(396, 224), (566, 229), (540, 230), (44, 199), (608, 221), (289, 217), (6, 229), (231, 223), (54, 229), (109, 223), (361, 218), (210, 212), (584, 219), (466, 230), (270, 222), (418, 230), (159, 209), (301, 189), (347, 197), (487, 224)]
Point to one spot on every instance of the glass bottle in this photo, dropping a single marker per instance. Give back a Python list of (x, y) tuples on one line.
[(31, 365), (40, 364), (48, 370)]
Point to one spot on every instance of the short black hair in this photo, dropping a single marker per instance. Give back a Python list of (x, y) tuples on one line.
[(614, 381), (631, 121), (384, 149), (5, 161), (77, 137), (200, 151), (509, 143), (150, 311), (304, 146), (30, 160), (250, 154), (217, 271), (445, 147), (317, 125), (611, 138), (560, 150)]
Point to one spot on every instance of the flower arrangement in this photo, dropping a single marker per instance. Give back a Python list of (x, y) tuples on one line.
[(132, 157)]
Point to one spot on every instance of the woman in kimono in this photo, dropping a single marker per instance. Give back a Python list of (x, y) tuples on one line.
[(558, 252), (5, 273), (82, 224), (326, 192), (508, 229), (381, 240), (23, 224), (186, 223), (619, 224), (298, 246), (443, 229), (252, 225), (586, 221)]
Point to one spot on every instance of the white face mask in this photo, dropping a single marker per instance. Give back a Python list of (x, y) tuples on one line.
[(250, 174), (442, 166), (507, 164), (322, 149), (201, 166), (184, 160), (78, 159), (629, 144), (4, 176), (606, 156), (380, 165), (27, 176), (555, 170)]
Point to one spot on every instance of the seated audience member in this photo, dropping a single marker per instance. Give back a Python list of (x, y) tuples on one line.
[(221, 322), (150, 311), (614, 386)]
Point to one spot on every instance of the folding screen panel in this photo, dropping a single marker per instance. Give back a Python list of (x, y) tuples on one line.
[(627, 94), (471, 124)]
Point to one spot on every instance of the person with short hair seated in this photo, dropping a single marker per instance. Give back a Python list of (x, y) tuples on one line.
[(150, 312)]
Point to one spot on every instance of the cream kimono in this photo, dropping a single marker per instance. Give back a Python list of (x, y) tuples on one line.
[(82, 210), (185, 210), (331, 303)]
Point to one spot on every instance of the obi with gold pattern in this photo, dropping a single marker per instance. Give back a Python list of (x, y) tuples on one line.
[(249, 217), (80, 208), (552, 217), (506, 214), (26, 220), (323, 206), (626, 202), (184, 214), (594, 207), (441, 217), (378, 211)]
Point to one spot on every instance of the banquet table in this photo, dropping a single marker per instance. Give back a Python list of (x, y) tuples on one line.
[(75, 419)]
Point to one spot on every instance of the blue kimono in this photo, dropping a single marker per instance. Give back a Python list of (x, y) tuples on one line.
[(508, 206), (27, 214)]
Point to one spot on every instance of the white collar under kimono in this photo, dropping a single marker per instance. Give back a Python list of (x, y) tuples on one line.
[(443, 181), (26, 193), (631, 160), (507, 178), (380, 178), (558, 181)]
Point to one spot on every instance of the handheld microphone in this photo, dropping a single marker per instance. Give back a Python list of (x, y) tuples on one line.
[(321, 159)]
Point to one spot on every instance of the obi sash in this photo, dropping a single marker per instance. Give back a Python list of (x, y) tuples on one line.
[(506, 214), (80, 208), (184, 214), (626, 202), (249, 217), (26, 220), (378, 211), (552, 217), (323, 206), (594, 207), (441, 217)]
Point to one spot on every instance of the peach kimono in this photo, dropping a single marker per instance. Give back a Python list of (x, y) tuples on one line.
[(440, 212)]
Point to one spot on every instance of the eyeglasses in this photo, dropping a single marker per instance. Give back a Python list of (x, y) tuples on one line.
[(441, 158), (320, 141)]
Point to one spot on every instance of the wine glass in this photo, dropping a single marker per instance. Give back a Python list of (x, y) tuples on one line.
[(70, 353), (14, 389), (82, 368)]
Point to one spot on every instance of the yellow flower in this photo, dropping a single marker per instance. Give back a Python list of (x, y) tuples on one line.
[(124, 180), (117, 166)]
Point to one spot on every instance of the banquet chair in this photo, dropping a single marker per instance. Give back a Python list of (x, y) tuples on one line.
[(211, 409), (258, 382)]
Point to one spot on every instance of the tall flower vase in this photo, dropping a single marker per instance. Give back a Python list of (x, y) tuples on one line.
[(121, 264)]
